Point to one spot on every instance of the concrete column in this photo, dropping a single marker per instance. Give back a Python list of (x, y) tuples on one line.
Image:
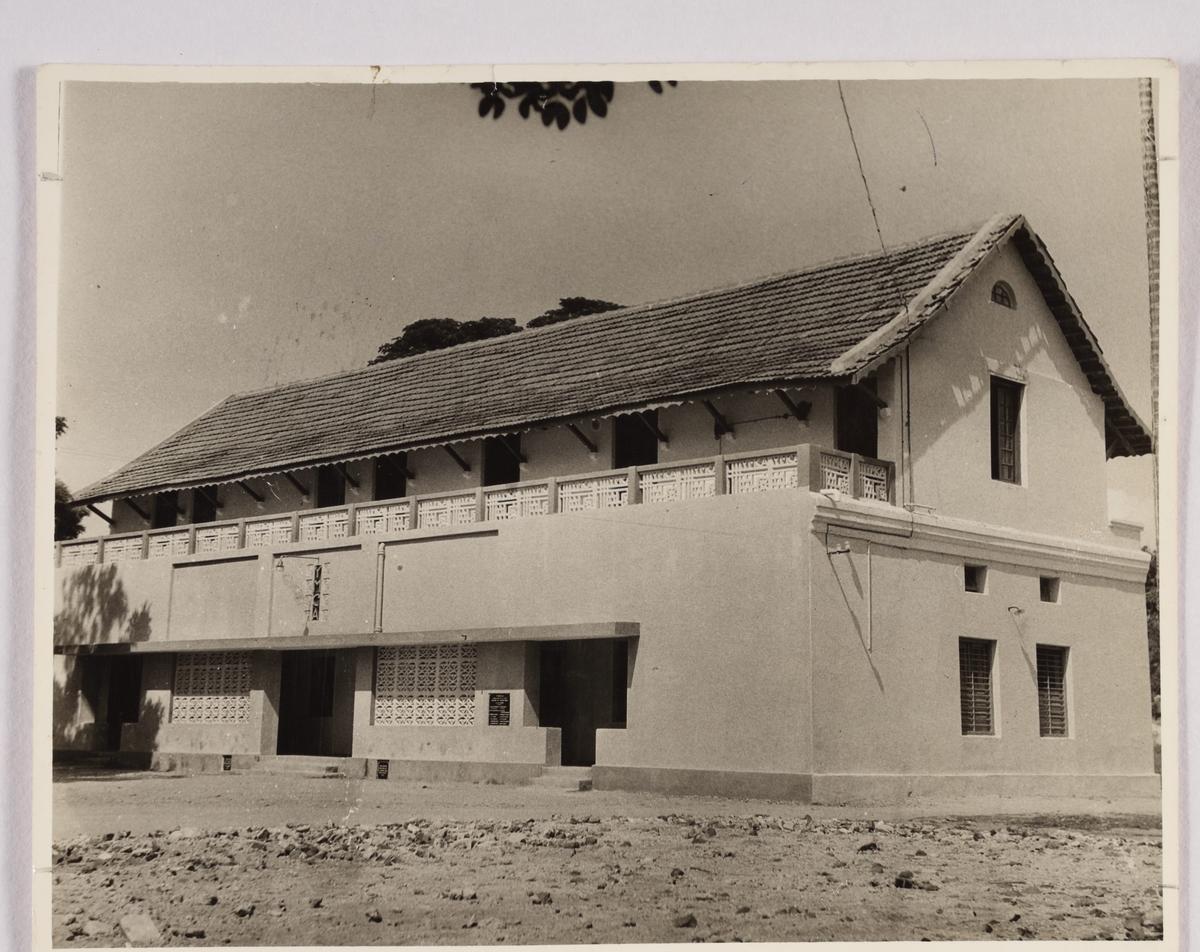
[(265, 672), (364, 688)]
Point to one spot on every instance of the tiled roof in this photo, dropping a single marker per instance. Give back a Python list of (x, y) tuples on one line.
[(784, 328)]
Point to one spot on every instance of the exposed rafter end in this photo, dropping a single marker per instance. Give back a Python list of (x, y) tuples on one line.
[(582, 437), (462, 463), (96, 512), (800, 409), (350, 480), (250, 492), (721, 426)]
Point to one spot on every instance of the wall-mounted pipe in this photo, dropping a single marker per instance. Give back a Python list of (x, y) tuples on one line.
[(379, 557)]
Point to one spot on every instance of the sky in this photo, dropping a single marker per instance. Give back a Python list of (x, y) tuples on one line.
[(219, 238)]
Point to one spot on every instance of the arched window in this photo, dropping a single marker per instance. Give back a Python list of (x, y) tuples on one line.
[(1003, 295)]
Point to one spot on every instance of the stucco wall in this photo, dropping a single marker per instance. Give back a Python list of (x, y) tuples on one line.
[(709, 660), (1064, 486), (886, 685), (499, 667), (156, 731)]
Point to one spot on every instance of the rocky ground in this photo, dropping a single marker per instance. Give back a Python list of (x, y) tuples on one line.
[(721, 874)]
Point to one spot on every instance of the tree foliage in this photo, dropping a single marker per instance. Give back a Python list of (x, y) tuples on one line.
[(437, 333), (570, 307), (556, 103), (68, 520)]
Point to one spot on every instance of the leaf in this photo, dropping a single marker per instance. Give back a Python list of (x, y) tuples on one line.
[(485, 106), (498, 107), (524, 106), (562, 115), (548, 114), (656, 86), (580, 109), (597, 103)]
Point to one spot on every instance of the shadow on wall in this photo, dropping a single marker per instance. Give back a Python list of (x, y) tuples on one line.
[(96, 609), (70, 735)]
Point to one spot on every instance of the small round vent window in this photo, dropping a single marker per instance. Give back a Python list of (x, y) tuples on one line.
[(1003, 295)]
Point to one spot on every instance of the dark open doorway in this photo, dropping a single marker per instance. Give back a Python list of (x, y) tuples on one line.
[(124, 697), (857, 419), (582, 687), (315, 705)]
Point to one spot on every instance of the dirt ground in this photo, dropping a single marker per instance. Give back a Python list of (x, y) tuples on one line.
[(256, 859)]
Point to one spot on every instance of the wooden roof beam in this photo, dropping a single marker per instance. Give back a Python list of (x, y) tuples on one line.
[(512, 450), (800, 409), (135, 507), (96, 512), (350, 480), (299, 486), (397, 463), (453, 454), (721, 426), (583, 438), (653, 428), (250, 492)]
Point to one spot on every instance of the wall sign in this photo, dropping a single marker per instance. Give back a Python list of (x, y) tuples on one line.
[(499, 710)]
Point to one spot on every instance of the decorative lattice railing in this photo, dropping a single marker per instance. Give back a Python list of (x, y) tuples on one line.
[(442, 512), (813, 467), (595, 492), (382, 520), (516, 503)]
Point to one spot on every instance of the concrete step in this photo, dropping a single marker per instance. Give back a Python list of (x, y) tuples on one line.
[(564, 778), (311, 766)]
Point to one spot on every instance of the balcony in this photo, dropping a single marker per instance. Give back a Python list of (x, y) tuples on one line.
[(805, 466)]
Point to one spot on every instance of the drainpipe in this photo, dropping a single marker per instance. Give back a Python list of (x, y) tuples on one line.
[(870, 613), (378, 587)]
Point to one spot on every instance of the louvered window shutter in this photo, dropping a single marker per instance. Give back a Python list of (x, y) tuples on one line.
[(975, 684), (1052, 690)]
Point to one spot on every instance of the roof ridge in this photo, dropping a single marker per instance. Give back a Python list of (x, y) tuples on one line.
[(526, 332)]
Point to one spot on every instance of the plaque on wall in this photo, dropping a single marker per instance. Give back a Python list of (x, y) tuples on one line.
[(498, 710)]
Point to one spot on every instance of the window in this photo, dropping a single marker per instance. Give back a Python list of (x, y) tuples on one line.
[(1002, 294), (165, 511), (425, 685), (331, 487), (1049, 586), (391, 481), (1006, 431), (211, 687), (634, 440), (502, 460), (1052, 690), (204, 505), (975, 578), (975, 684)]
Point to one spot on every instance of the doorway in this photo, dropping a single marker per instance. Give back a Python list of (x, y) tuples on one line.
[(856, 419), (316, 704), (124, 697), (582, 687)]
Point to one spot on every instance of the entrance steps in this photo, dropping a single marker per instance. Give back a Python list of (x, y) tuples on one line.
[(309, 766), (574, 779)]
